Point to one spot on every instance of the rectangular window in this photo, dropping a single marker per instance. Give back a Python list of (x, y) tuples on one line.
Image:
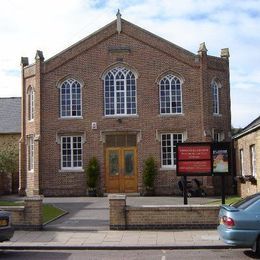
[(253, 160), (71, 152), (31, 104), (30, 153), (168, 148), (241, 157), (215, 91)]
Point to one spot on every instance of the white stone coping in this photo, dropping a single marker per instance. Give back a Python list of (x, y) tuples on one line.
[(117, 197)]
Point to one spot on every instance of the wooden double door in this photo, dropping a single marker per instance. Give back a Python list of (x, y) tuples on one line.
[(121, 170)]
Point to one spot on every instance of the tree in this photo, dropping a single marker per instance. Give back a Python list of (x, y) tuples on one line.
[(8, 159)]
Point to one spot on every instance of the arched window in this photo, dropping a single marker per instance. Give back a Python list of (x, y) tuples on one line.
[(120, 92), (30, 95), (70, 98), (215, 97), (170, 95)]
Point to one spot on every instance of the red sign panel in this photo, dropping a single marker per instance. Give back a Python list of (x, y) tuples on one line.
[(194, 166), (199, 152)]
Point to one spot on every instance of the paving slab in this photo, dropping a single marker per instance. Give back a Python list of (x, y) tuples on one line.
[(114, 239)]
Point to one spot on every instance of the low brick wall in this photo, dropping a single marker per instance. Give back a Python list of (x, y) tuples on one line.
[(29, 216), (160, 217)]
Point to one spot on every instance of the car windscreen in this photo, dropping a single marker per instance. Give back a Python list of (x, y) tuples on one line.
[(244, 203)]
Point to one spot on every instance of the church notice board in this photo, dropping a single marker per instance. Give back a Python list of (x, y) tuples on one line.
[(203, 159)]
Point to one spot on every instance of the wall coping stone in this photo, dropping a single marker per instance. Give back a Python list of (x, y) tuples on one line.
[(116, 197), (33, 198), (12, 208)]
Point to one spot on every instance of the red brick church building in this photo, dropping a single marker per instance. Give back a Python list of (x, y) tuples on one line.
[(121, 94)]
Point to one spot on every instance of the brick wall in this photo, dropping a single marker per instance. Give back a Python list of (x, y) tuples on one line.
[(29, 216), (151, 58), (245, 186), (160, 217)]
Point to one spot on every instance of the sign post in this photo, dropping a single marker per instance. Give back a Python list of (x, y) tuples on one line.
[(203, 159)]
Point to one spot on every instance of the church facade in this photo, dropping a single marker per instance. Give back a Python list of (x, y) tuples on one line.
[(121, 95)]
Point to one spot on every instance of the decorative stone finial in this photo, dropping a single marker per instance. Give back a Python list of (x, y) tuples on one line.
[(225, 53), (118, 22), (39, 55), (24, 61), (202, 48)]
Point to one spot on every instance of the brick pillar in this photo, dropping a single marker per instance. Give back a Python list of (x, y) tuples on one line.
[(22, 146), (117, 212), (33, 217)]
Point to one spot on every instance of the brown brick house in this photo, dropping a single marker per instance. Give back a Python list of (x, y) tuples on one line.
[(247, 148), (121, 94)]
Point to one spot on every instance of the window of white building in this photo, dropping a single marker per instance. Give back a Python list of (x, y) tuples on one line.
[(71, 152), (30, 153), (170, 95), (215, 96), (253, 160), (70, 98), (31, 97), (120, 92), (168, 148)]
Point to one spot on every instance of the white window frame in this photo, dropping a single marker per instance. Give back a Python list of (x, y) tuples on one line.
[(170, 78), (241, 161), (215, 98), (31, 101), (30, 153), (70, 81), (73, 168), (172, 145), (125, 71), (253, 160)]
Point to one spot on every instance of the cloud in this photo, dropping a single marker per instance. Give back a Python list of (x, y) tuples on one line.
[(52, 26)]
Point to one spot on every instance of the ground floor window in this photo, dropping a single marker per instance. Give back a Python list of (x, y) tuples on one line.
[(30, 153), (241, 157), (168, 148), (253, 160), (71, 152)]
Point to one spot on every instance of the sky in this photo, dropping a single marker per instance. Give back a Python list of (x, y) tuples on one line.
[(53, 25)]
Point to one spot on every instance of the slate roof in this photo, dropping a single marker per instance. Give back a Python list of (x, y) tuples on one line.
[(10, 115), (249, 128)]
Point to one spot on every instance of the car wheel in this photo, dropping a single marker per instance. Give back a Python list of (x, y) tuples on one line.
[(256, 246)]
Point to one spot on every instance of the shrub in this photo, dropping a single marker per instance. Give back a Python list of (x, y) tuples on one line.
[(149, 173), (92, 172)]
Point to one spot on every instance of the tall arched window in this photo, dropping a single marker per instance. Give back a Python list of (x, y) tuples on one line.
[(215, 97), (70, 98), (30, 95), (120, 92), (170, 95)]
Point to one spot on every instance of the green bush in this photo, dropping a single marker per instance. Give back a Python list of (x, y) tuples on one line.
[(149, 173), (92, 172), (8, 159)]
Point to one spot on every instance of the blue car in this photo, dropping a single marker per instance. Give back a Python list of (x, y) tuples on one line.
[(240, 223), (6, 230)]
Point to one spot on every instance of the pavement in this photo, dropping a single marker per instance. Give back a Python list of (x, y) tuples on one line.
[(86, 226)]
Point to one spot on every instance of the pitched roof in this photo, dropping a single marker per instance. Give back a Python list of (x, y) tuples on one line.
[(249, 128), (10, 115)]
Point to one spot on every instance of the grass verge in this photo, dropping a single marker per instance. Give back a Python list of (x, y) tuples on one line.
[(49, 211), (228, 201)]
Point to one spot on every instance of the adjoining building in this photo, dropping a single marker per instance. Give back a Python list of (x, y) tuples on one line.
[(10, 134), (121, 94), (247, 147)]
